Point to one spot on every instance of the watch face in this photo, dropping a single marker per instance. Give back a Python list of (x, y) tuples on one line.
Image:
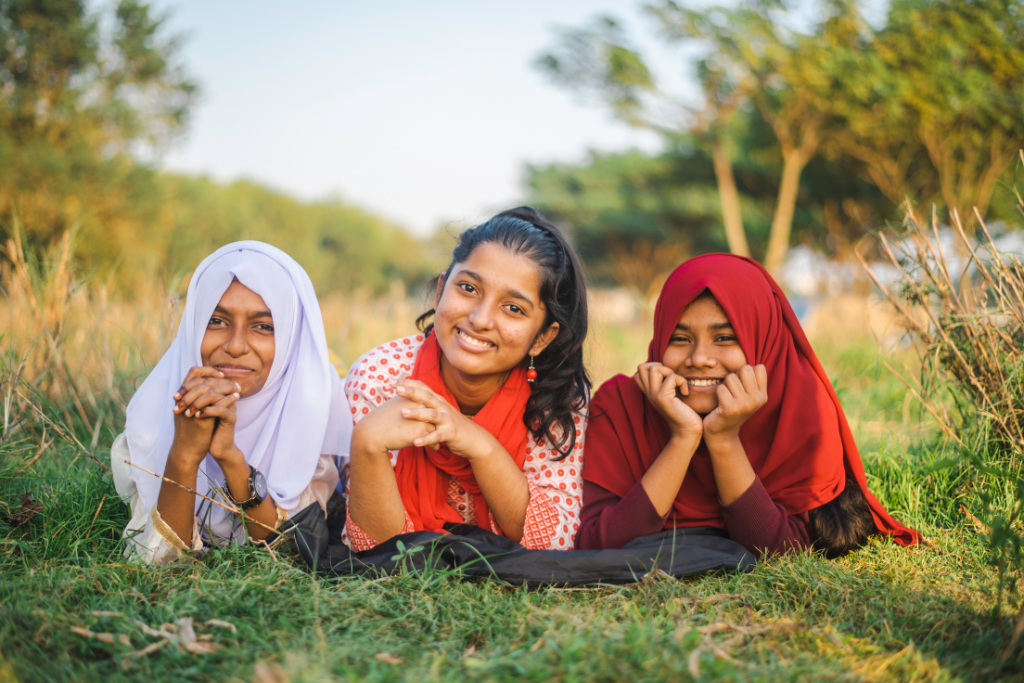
[(259, 484)]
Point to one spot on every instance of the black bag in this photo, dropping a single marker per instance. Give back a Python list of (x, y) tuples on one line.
[(476, 553)]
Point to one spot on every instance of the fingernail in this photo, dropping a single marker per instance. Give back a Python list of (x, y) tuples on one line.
[(239, 386), (405, 413), (418, 442), (400, 390), (177, 396), (237, 395), (199, 413), (188, 413)]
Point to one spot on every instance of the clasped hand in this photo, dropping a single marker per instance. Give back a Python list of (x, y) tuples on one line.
[(419, 417), (205, 414), (740, 395)]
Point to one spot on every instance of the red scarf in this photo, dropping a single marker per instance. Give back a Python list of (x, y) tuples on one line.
[(799, 443), (423, 474)]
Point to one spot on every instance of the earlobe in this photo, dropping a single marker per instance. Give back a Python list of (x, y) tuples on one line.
[(544, 339)]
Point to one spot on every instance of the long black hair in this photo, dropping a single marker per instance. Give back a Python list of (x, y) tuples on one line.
[(562, 385)]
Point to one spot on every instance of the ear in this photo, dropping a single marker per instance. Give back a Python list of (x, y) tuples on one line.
[(440, 289), (544, 339)]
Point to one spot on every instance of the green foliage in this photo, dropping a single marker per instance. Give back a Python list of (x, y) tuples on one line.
[(83, 97), (927, 107)]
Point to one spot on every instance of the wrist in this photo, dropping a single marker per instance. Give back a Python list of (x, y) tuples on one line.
[(684, 443), (722, 441)]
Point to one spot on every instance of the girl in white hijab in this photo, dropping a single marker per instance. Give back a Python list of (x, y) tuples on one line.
[(244, 408)]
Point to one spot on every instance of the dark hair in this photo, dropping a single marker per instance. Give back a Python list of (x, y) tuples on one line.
[(843, 524), (562, 385)]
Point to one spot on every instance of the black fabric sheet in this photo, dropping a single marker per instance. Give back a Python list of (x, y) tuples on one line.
[(475, 553)]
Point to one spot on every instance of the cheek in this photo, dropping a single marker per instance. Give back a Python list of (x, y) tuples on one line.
[(673, 357), (212, 340), (734, 359), (264, 348)]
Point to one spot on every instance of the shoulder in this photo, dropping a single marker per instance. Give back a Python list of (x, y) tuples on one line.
[(370, 380), (613, 392)]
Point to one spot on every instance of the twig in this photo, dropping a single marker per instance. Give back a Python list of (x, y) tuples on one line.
[(978, 524), (98, 508), (926, 405), (70, 438), (230, 509), (43, 445)]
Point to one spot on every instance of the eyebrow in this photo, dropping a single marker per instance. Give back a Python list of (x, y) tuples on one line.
[(258, 314), (514, 293), (713, 326)]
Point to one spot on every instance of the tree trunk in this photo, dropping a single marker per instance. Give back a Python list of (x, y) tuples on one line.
[(782, 222), (730, 197)]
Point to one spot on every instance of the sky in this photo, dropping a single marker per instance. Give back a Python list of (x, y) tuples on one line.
[(422, 112)]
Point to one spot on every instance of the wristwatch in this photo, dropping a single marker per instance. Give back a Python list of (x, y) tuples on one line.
[(257, 490)]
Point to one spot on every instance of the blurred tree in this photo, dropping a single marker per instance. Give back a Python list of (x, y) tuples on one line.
[(80, 96), (955, 70), (88, 101), (927, 107), (635, 216)]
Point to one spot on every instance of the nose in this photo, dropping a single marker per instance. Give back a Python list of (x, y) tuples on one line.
[(238, 343), (701, 356), (482, 316)]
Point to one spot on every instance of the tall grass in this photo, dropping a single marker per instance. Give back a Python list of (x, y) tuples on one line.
[(966, 323)]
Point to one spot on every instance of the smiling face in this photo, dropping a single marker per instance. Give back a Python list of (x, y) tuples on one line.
[(703, 348), (489, 315), (239, 339)]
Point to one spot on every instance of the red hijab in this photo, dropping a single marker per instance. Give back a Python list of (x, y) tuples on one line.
[(424, 474), (799, 443)]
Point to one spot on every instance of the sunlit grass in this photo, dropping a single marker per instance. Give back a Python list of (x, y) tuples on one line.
[(884, 613)]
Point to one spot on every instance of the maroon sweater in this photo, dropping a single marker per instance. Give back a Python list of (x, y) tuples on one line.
[(754, 520)]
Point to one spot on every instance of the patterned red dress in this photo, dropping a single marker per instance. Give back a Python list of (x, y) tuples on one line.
[(556, 487)]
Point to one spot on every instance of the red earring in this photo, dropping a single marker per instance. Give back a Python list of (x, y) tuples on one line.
[(531, 374)]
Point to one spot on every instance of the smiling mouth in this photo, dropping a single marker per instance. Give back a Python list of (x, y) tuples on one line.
[(703, 382), (480, 343), (234, 370)]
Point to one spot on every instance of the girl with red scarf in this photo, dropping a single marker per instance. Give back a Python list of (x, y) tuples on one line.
[(480, 419), (732, 423)]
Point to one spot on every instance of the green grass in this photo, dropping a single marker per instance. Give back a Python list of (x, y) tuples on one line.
[(884, 613)]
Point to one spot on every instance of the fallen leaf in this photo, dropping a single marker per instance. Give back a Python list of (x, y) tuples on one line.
[(98, 613), (187, 639), (470, 651), (388, 658), (538, 645), (694, 664), (107, 638), (222, 624), (26, 511)]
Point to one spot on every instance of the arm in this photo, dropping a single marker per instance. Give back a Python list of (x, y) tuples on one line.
[(503, 486), (608, 521), (762, 526), (741, 395)]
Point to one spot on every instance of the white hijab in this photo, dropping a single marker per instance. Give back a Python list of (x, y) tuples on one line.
[(300, 413)]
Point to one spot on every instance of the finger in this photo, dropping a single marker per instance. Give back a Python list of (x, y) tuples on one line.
[(667, 392), (761, 374), (210, 398), (188, 400), (681, 383), (733, 383), (227, 402), (656, 380), (422, 414), (748, 379), (420, 393), (198, 372), (725, 397), (435, 437), (642, 377), (224, 414)]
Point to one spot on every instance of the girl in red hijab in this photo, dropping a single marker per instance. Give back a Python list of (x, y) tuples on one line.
[(731, 423)]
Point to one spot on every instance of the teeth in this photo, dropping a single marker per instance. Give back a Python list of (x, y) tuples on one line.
[(474, 342), (704, 382)]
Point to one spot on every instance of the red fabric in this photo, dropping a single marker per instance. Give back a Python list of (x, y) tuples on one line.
[(799, 444), (423, 473)]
